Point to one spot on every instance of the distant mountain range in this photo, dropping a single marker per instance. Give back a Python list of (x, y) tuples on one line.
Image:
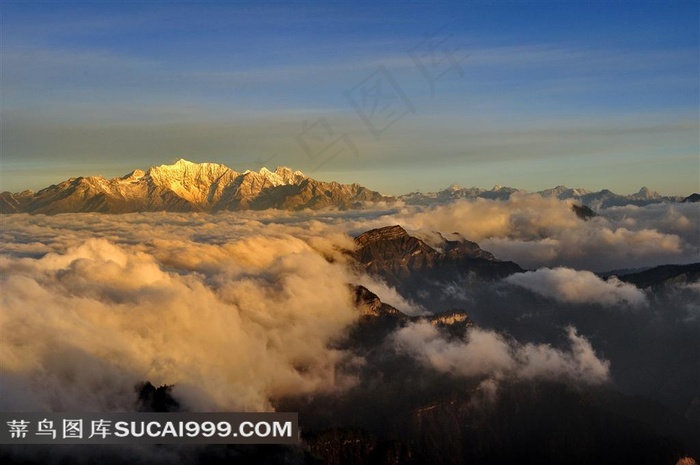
[(188, 187), (595, 200), (664, 275)]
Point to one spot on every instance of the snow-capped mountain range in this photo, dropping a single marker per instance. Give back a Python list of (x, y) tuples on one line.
[(595, 200), (185, 186)]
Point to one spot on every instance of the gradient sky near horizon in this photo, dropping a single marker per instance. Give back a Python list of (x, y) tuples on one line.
[(395, 96)]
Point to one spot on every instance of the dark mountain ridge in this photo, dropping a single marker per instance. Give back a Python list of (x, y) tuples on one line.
[(412, 266), (663, 275)]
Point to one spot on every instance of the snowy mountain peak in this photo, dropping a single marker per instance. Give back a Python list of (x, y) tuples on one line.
[(183, 169), (281, 176), (558, 191), (134, 175), (289, 176), (595, 200), (578, 192), (272, 177), (645, 193), (192, 182), (499, 188)]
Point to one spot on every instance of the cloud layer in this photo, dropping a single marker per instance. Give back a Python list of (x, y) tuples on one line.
[(579, 287), (545, 232), (238, 309), (82, 327)]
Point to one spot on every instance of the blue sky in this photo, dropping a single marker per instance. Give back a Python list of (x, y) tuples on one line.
[(406, 96)]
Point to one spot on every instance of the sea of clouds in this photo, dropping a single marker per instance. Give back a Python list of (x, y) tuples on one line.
[(238, 309)]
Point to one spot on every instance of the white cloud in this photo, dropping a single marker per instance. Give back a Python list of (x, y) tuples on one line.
[(579, 287), (490, 355)]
